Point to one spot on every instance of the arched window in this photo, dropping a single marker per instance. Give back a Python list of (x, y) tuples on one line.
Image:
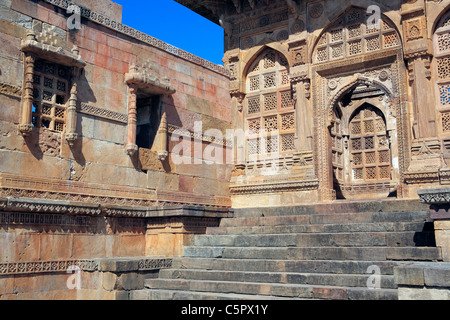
[(269, 106), (442, 58), (351, 35), (369, 147)]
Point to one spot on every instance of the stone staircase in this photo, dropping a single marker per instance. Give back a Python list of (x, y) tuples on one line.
[(303, 252)]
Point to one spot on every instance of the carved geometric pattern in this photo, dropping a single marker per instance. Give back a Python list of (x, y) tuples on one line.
[(253, 105), (254, 125), (443, 66), (286, 99), (444, 94), (253, 146), (270, 102), (272, 144), (390, 40), (351, 36), (50, 86), (370, 157), (103, 113), (284, 77), (383, 156), (445, 121), (443, 41), (336, 35), (368, 126), (356, 128), (271, 123), (385, 172), (373, 44), (269, 80), (254, 83), (354, 30), (357, 173), (322, 54), (369, 143), (287, 142), (269, 60), (371, 173), (337, 51), (354, 47), (369, 147), (287, 121), (381, 126), (356, 144), (357, 159)]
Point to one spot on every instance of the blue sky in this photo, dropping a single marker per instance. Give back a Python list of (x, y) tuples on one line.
[(170, 22)]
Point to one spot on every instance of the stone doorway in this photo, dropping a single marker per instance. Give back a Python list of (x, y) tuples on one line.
[(362, 145)]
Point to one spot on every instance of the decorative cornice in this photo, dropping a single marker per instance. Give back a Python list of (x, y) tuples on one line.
[(88, 265), (103, 113), (434, 196), (54, 266), (135, 34), (125, 211), (421, 177), (49, 206), (275, 187)]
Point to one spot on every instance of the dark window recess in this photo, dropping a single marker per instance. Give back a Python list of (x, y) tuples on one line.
[(148, 121)]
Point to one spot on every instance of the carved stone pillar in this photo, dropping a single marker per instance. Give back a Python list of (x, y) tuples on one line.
[(132, 120), (301, 86), (424, 125), (71, 114), (25, 125), (163, 153)]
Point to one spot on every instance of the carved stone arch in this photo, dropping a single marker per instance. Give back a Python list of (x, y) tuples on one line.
[(255, 52), (438, 19), (337, 46), (353, 84)]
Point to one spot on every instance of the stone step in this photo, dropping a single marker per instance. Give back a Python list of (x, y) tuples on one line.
[(273, 289), (347, 280), (304, 266), (358, 239), (155, 294), (316, 253), (324, 228), (333, 208), (338, 218)]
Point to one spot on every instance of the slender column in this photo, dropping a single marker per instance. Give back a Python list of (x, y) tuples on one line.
[(25, 125), (132, 120), (162, 151), (71, 122)]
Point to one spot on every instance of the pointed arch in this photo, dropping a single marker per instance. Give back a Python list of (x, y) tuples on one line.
[(255, 53), (349, 35)]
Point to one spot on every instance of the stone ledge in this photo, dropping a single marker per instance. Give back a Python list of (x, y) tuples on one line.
[(189, 211), (80, 208), (133, 264), (429, 274)]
